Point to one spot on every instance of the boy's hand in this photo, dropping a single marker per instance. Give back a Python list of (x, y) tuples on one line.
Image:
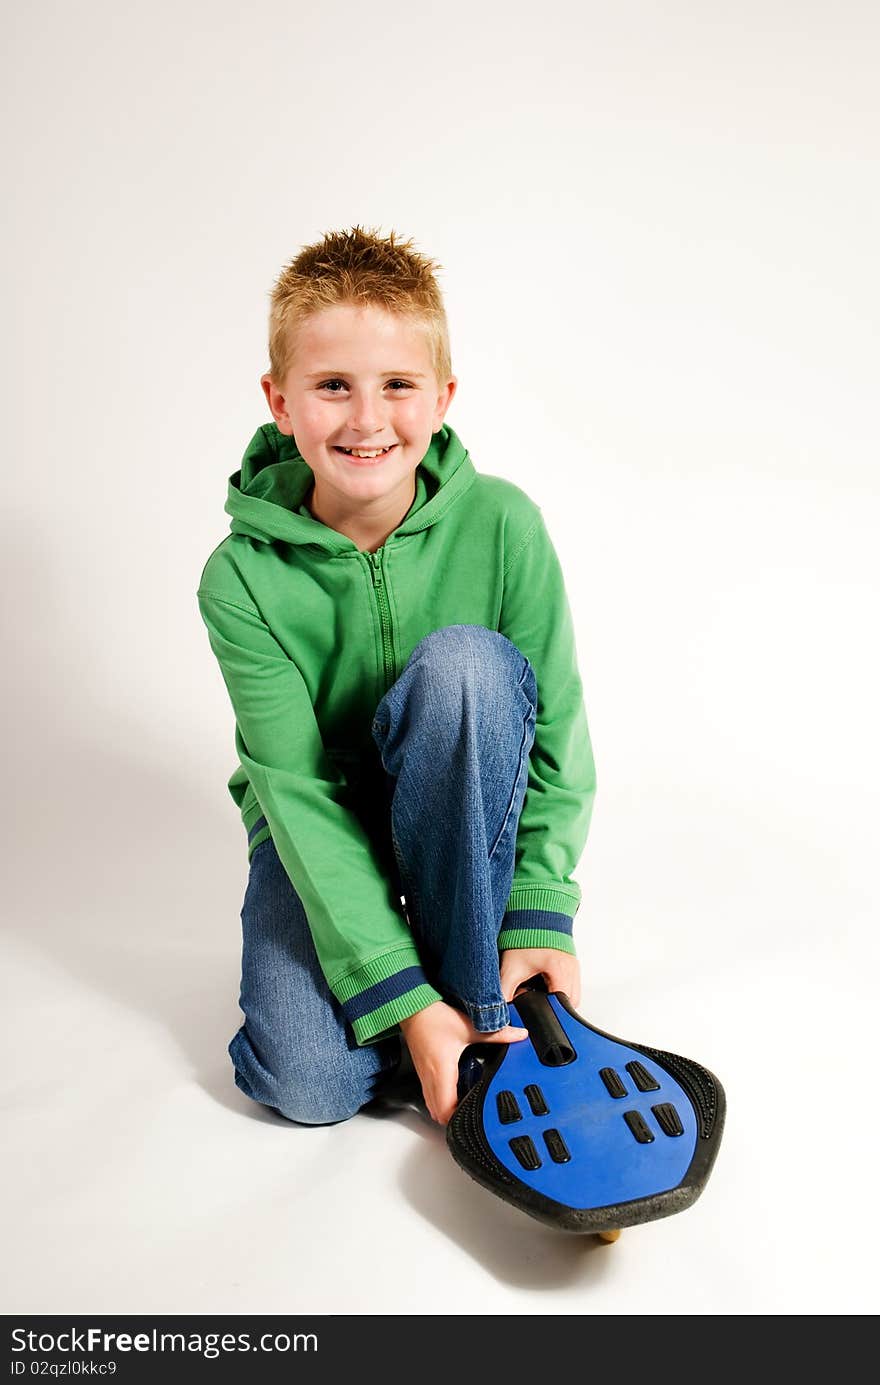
[(436, 1037), (560, 970)]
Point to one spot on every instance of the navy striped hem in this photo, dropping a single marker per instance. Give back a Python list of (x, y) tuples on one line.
[(257, 827), (538, 918), (383, 992)]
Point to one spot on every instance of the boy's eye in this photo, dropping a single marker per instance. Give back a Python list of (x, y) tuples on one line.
[(327, 383)]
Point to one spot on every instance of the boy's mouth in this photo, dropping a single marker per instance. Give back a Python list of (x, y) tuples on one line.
[(365, 455)]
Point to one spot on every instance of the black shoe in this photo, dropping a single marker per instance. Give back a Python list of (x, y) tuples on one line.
[(400, 1085)]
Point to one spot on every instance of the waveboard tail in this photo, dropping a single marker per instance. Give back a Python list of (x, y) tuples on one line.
[(582, 1130)]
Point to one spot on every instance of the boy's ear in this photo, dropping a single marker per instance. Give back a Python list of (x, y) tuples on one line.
[(275, 400), (444, 399)]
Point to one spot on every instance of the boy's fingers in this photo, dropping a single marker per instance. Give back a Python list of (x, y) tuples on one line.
[(510, 1034), (512, 978), (445, 1100)]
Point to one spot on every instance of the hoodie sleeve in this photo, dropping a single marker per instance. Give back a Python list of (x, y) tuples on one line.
[(363, 942), (555, 818)]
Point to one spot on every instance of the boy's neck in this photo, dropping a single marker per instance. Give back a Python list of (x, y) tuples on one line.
[(368, 530)]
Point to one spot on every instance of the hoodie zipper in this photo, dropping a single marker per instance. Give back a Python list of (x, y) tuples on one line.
[(379, 587)]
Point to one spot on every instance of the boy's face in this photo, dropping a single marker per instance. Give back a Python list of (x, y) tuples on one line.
[(361, 378)]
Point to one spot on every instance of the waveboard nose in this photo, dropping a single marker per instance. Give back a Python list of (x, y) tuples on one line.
[(585, 1131)]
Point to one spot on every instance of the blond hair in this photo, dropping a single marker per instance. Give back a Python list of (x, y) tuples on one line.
[(360, 267)]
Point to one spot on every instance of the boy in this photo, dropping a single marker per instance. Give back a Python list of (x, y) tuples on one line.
[(416, 777)]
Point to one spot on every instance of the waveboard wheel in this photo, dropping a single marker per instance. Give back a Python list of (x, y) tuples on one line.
[(608, 1236)]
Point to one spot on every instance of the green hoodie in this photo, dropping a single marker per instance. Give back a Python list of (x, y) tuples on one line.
[(310, 632)]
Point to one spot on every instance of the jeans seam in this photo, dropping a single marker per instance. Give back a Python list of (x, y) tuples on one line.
[(410, 893), (516, 779)]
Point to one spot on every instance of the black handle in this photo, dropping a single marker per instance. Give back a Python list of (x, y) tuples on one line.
[(549, 1039)]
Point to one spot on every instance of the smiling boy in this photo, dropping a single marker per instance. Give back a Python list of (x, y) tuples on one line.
[(360, 379), (393, 630)]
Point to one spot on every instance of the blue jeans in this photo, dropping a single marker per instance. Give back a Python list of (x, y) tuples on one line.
[(454, 735)]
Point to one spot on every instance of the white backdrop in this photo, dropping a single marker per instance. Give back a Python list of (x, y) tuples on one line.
[(658, 229)]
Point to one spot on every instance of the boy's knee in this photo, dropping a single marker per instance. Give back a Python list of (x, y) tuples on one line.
[(307, 1108), (460, 643), (473, 654), (306, 1104), (295, 1090)]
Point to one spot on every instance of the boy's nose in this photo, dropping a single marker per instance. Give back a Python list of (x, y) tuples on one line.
[(366, 416), (366, 423)]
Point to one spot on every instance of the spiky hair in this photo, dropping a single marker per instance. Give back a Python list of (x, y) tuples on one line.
[(359, 266)]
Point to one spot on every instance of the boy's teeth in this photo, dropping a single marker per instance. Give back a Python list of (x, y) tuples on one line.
[(364, 452)]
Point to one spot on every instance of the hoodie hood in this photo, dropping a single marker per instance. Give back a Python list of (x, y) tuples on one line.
[(266, 497)]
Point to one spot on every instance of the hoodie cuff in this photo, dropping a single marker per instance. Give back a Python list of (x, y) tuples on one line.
[(536, 928), (383, 992)]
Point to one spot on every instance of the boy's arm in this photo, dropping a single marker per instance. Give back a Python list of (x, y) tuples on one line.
[(561, 787), (364, 945)]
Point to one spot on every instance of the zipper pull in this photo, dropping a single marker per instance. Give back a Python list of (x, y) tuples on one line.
[(377, 570)]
